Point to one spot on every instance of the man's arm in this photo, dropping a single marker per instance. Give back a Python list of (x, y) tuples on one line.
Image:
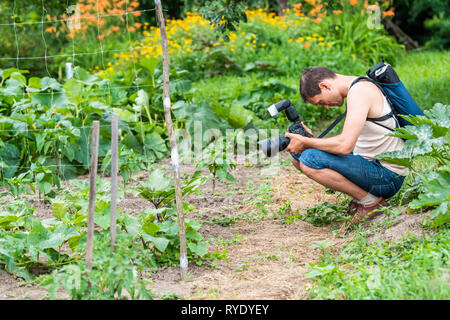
[(358, 105)]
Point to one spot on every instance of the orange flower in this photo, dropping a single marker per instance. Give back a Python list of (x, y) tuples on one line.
[(353, 2), (307, 45), (115, 28), (138, 24), (134, 4), (317, 20), (337, 11), (137, 13), (132, 29), (101, 36), (389, 13), (50, 29)]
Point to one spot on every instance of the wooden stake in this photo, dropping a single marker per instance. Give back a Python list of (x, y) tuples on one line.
[(173, 142), (114, 162), (92, 192)]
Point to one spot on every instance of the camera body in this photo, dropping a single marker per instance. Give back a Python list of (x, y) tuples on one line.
[(272, 146)]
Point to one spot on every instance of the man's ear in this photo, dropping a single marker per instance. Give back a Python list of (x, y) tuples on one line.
[(324, 85)]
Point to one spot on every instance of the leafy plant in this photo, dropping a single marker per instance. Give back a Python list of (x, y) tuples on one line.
[(322, 214), (115, 274), (217, 159), (159, 188), (429, 137)]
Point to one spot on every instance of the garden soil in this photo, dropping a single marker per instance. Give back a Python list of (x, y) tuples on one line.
[(266, 258)]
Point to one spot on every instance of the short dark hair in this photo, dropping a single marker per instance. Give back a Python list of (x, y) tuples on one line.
[(310, 79)]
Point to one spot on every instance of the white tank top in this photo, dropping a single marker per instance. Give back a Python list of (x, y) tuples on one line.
[(373, 141)]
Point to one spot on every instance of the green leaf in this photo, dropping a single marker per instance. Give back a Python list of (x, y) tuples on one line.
[(149, 64), (132, 225), (9, 160), (199, 248), (34, 84), (59, 210), (437, 189), (150, 228), (420, 142), (154, 142), (19, 78), (160, 243), (180, 86), (84, 76), (50, 83)]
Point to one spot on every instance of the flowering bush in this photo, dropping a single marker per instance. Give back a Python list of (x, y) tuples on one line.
[(310, 34)]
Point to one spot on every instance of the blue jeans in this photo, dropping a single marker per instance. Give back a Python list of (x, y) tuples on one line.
[(370, 176)]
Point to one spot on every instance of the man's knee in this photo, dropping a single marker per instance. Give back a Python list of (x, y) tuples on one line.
[(311, 160), (301, 166)]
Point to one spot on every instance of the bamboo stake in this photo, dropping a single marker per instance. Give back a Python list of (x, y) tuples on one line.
[(173, 142), (92, 192), (114, 162)]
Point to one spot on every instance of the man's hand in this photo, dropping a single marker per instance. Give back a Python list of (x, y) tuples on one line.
[(297, 144), (307, 129)]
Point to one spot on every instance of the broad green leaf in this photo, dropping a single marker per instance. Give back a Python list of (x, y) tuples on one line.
[(150, 228), (154, 142), (38, 233), (34, 84), (84, 76), (239, 117), (50, 83), (59, 210), (132, 225), (19, 78), (199, 248), (437, 189), (159, 242), (9, 160), (157, 181), (180, 86), (149, 64), (195, 225)]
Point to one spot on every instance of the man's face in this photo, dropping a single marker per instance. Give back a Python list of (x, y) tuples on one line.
[(328, 96)]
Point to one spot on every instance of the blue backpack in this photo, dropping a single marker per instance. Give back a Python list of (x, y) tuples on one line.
[(398, 97)]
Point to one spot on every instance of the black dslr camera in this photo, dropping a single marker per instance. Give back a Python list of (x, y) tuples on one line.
[(272, 146)]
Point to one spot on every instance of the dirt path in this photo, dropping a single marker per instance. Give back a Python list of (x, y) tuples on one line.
[(269, 260)]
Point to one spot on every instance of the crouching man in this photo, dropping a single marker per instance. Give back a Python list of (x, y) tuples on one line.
[(346, 162)]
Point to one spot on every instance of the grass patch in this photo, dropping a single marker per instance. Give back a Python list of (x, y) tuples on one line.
[(413, 268), (425, 75)]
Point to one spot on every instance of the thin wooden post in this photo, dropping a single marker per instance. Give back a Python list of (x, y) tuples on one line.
[(92, 192), (114, 162), (173, 142)]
